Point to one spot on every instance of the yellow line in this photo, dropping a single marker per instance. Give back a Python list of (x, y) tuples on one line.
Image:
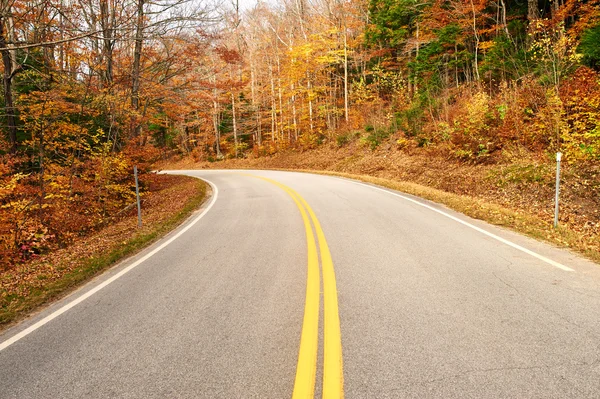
[(333, 379), (306, 368)]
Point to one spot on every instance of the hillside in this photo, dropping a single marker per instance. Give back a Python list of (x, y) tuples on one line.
[(470, 97)]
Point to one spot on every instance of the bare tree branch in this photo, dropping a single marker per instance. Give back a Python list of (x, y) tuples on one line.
[(51, 43)]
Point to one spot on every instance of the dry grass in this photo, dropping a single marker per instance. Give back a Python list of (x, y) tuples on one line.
[(516, 193), (525, 223)]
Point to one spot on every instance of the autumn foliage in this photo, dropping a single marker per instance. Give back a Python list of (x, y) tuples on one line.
[(93, 87), (72, 130)]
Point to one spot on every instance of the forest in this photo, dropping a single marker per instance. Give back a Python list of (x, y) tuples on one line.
[(93, 87)]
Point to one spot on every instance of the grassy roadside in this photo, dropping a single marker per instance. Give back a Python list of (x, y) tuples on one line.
[(31, 285), (496, 194), (521, 222)]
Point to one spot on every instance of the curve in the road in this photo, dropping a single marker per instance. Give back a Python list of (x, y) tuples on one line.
[(5, 344), (431, 304), (487, 233)]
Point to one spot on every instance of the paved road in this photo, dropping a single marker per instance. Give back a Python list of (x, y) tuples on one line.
[(432, 304)]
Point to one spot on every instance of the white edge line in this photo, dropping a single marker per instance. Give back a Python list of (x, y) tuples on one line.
[(91, 292), (482, 231)]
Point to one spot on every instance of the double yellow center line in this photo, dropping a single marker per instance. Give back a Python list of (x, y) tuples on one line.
[(306, 369)]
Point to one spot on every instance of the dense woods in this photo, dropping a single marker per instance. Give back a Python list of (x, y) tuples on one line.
[(92, 87)]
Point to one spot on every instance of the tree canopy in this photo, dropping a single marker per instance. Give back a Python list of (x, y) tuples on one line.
[(91, 87)]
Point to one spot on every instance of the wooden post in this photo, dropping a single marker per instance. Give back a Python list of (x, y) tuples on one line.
[(137, 194), (558, 159)]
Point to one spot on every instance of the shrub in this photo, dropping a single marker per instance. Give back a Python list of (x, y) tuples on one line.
[(343, 139), (581, 99), (471, 132), (374, 139)]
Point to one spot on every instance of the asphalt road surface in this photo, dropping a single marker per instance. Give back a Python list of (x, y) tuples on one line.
[(243, 301)]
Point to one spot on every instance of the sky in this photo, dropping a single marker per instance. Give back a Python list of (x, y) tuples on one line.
[(247, 4)]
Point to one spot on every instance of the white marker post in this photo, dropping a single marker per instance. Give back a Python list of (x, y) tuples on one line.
[(137, 194), (558, 159)]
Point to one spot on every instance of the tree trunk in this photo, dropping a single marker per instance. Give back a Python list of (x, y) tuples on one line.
[(61, 50), (255, 103), (216, 126), (294, 112), (346, 100), (310, 102), (259, 127), (137, 56), (533, 11), (235, 135), (107, 21), (280, 92), (346, 116), (9, 108), (273, 106), (476, 61), (416, 61)]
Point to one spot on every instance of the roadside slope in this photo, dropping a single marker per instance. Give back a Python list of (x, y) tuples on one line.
[(517, 193)]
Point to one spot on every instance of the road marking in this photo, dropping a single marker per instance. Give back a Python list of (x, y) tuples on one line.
[(88, 294), (306, 368), (333, 380), (333, 376), (479, 229)]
